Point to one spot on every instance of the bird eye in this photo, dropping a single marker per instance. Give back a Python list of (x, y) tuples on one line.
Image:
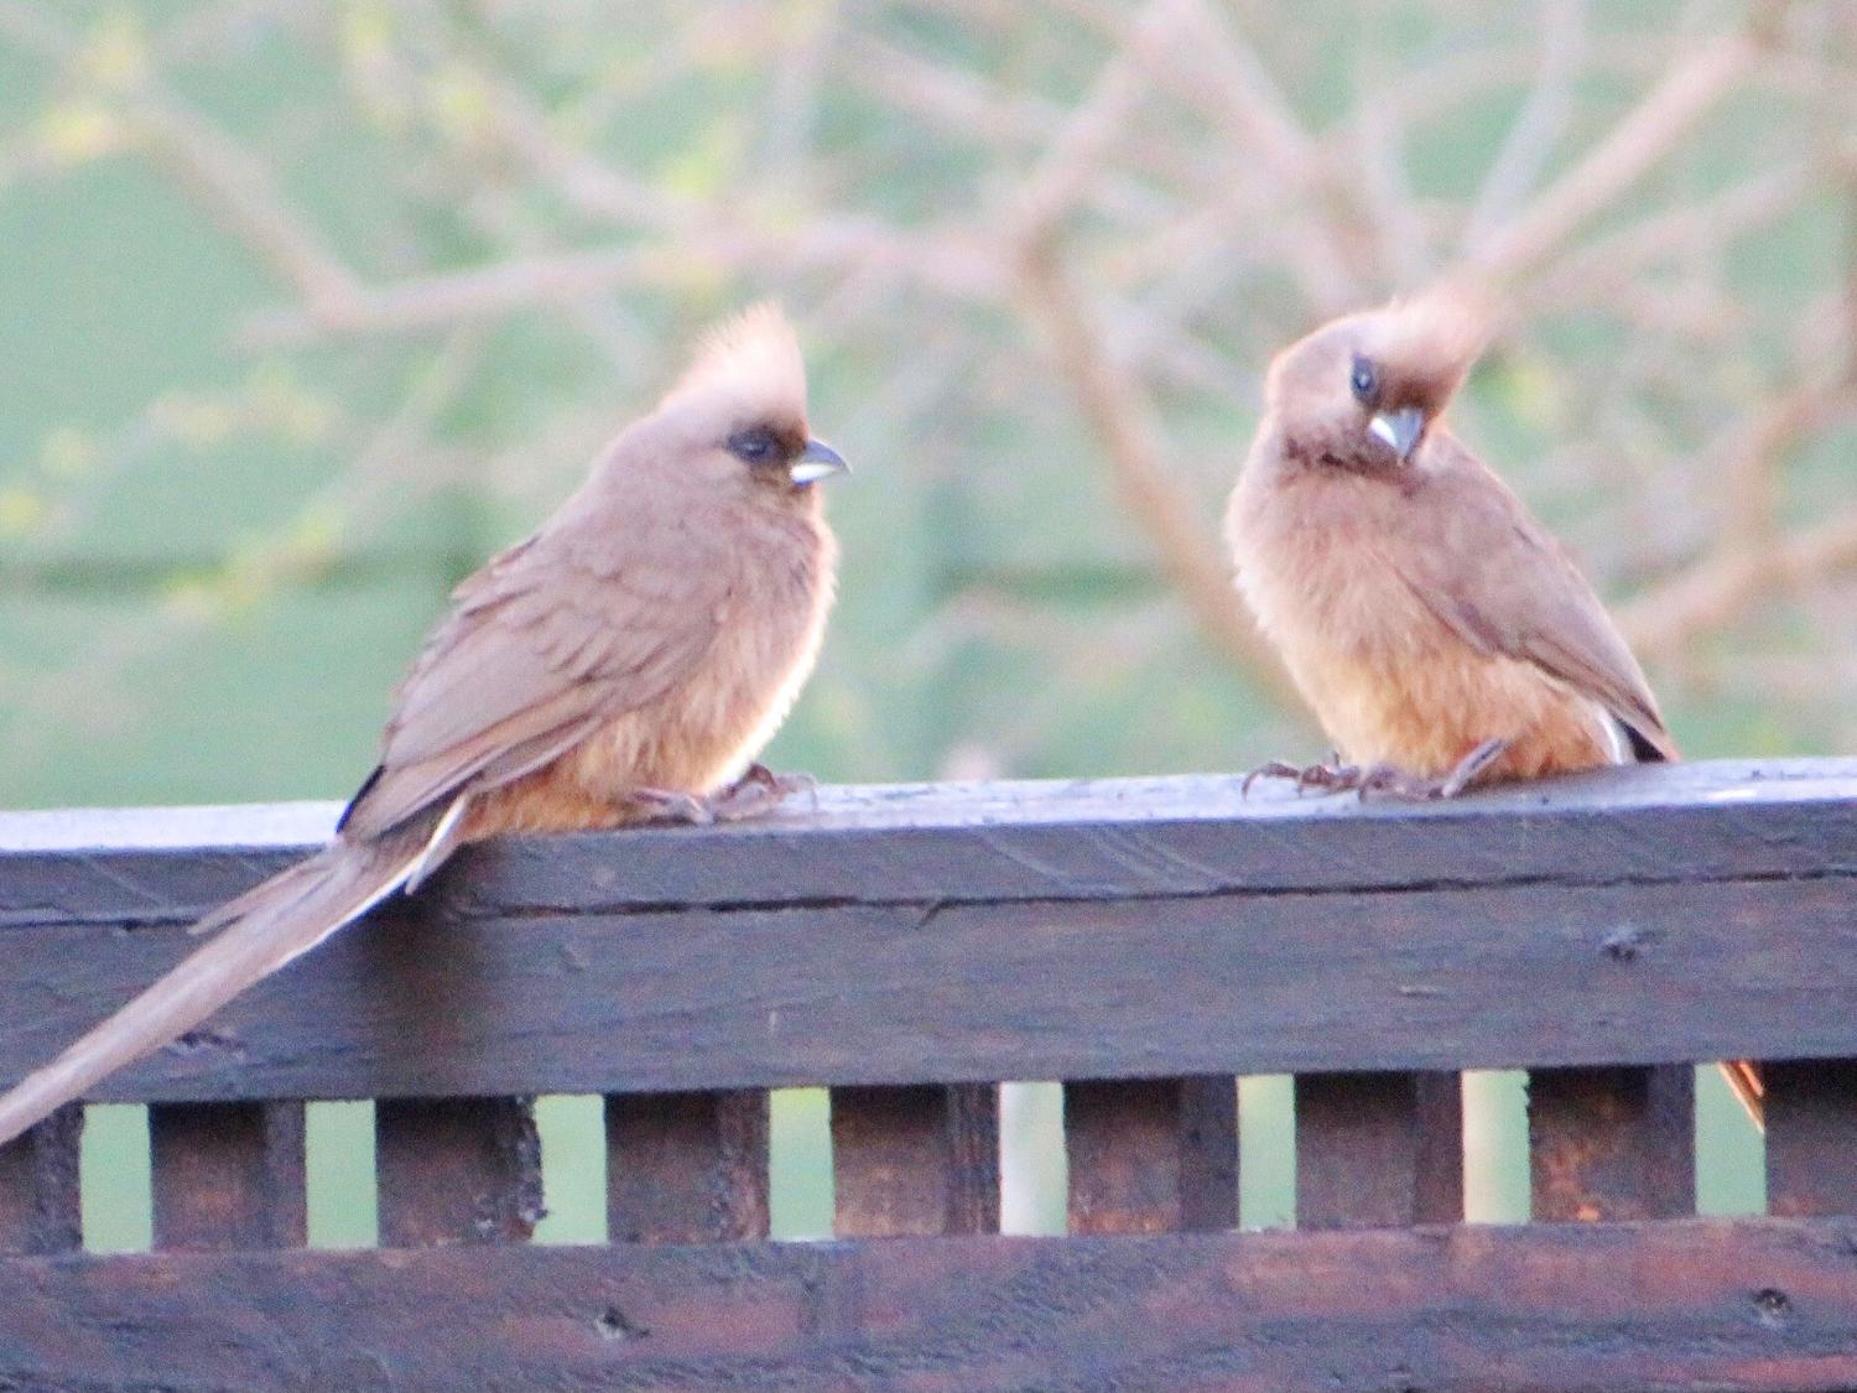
[(756, 446), (1363, 379)]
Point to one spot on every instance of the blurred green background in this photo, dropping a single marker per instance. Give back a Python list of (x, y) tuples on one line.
[(304, 310)]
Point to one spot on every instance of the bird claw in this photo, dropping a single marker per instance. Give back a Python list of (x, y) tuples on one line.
[(1386, 780), (671, 805), (1330, 777), (758, 792), (1394, 782)]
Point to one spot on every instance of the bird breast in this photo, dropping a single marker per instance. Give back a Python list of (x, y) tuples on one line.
[(1389, 681)]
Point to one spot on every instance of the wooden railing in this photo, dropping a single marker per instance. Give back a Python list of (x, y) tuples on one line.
[(1143, 941)]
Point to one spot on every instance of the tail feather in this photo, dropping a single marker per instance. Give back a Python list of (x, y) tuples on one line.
[(281, 919), (1750, 1086)]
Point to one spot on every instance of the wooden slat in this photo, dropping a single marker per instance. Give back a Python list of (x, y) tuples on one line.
[(1154, 1156), (898, 994), (887, 937), (460, 1170), (1379, 1150), (228, 1175), (1759, 1306), (687, 1167), (915, 1161), (40, 1209), (1612, 1143), (970, 843), (1812, 1138)]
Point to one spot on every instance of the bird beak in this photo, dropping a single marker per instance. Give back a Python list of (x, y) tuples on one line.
[(817, 461), (1400, 429)]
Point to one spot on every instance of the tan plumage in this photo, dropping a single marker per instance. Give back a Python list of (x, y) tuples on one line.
[(645, 642), (1422, 611)]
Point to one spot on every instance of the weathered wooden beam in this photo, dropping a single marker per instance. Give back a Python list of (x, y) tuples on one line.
[(1377, 1150), (41, 1209), (915, 1161), (1755, 1305), (1811, 1138), (1153, 1155), (457, 1170), (228, 1175), (950, 936), (687, 1167), (943, 844), (1612, 1143)]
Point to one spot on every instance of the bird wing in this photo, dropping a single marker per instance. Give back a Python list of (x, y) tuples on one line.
[(587, 619), (1492, 574)]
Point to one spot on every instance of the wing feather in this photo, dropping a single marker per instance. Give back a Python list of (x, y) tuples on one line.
[(552, 638), (1496, 578)]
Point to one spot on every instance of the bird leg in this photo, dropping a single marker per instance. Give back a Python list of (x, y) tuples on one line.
[(670, 805), (1398, 783)]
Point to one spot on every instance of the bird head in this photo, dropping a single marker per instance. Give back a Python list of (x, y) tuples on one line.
[(740, 410), (1363, 392)]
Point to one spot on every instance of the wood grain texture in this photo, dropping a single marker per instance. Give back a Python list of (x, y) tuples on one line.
[(1612, 1143), (457, 1170), (1689, 912), (1152, 1156), (1811, 1138), (228, 1175), (1758, 1306), (915, 1161), (687, 1167), (855, 994), (1379, 1150), (41, 1209)]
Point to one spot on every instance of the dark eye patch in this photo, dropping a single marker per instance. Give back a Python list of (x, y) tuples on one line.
[(1364, 379), (756, 445)]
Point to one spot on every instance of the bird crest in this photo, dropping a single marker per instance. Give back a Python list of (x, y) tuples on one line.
[(752, 360)]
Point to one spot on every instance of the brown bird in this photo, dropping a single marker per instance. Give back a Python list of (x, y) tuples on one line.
[(627, 661), (1441, 635)]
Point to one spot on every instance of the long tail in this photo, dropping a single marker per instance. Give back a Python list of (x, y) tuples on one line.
[(1750, 1086), (284, 917)]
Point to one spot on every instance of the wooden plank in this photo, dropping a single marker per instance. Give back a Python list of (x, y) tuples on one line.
[(228, 1175), (919, 1161), (900, 994), (1152, 1156), (40, 1204), (1612, 1143), (686, 1167), (1760, 1306), (457, 1170), (1379, 1150), (963, 843), (1812, 1137)]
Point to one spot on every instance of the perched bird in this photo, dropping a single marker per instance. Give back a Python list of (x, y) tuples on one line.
[(1442, 637), (627, 661)]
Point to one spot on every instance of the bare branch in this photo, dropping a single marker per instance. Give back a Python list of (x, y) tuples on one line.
[(1645, 136), (1538, 126), (1719, 591), (1125, 422)]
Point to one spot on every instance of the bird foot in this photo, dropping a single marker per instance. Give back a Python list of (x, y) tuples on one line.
[(671, 805), (755, 794), (1386, 780), (1393, 782), (758, 792), (1331, 776)]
